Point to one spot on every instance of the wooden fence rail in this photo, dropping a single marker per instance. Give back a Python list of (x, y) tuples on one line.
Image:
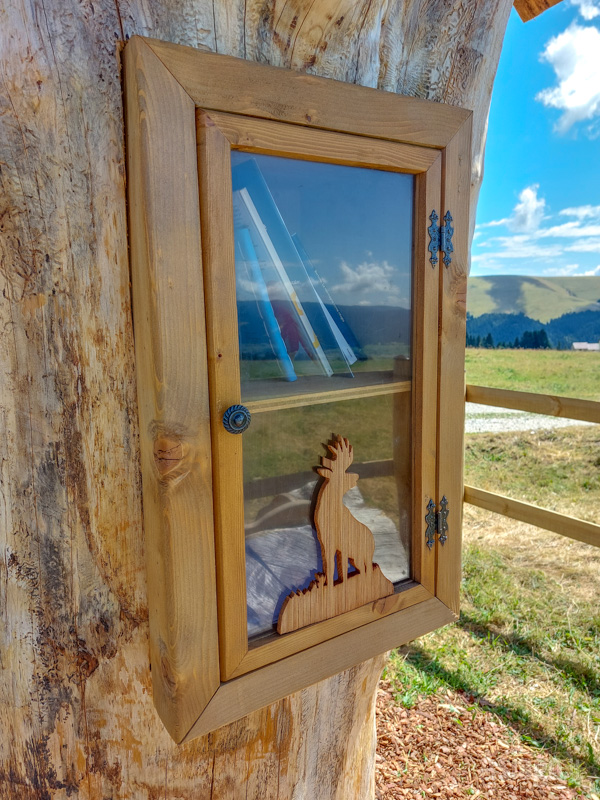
[(566, 407), (541, 517)]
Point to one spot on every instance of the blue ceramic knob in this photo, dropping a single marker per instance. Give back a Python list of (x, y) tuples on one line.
[(236, 419)]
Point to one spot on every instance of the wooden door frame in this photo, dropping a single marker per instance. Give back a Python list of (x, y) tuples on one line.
[(218, 134), (165, 84)]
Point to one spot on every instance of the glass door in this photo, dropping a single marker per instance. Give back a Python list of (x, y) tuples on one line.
[(323, 266), (322, 311)]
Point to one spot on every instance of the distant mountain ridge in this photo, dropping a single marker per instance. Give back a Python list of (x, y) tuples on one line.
[(370, 325), (579, 326), (539, 299)]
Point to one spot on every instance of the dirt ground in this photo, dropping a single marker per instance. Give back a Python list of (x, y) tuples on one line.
[(446, 747)]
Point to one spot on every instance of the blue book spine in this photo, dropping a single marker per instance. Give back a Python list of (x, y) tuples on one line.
[(266, 309)]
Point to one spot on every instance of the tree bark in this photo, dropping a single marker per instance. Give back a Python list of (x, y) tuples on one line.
[(76, 712)]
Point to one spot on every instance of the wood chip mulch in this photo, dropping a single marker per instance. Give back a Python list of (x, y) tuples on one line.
[(443, 748)]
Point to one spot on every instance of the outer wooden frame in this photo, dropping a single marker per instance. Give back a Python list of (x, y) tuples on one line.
[(167, 87)]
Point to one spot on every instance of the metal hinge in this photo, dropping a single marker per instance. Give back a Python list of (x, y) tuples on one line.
[(437, 522), (440, 238)]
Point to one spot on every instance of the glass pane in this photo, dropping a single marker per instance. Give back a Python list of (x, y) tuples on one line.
[(323, 282), (281, 449), (323, 274)]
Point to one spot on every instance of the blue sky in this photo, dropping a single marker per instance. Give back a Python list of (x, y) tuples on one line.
[(539, 207), (354, 223)]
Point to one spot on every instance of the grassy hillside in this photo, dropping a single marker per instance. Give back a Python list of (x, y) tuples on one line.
[(541, 299)]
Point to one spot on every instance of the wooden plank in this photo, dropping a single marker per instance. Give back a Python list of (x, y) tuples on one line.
[(319, 398), (426, 314), (280, 484), (216, 215), (223, 83), (451, 406), (273, 647), (535, 403), (256, 689), (268, 388), (403, 452), (530, 9), (295, 141), (570, 527), (170, 350)]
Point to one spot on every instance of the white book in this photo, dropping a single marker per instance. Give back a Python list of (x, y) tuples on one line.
[(250, 217)]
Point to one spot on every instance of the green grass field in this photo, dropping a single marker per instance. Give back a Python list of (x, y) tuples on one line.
[(557, 469), (567, 373), (527, 646)]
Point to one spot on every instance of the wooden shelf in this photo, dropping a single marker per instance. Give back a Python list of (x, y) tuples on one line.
[(279, 484), (354, 392), (269, 388)]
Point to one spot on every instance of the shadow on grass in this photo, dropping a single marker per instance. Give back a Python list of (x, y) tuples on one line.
[(573, 672), (518, 719)]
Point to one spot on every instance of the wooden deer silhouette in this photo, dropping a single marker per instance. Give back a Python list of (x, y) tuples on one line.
[(344, 540)]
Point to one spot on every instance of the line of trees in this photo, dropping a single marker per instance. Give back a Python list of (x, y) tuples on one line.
[(530, 340), (518, 330)]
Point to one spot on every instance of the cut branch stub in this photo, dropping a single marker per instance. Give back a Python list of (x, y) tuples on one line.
[(345, 541)]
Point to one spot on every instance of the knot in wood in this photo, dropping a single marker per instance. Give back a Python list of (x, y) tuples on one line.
[(169, 454)]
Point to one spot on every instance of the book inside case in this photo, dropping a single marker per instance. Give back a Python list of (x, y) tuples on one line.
[(323, 258)]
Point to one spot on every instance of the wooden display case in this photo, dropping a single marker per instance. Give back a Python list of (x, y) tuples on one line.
[(288, 265)]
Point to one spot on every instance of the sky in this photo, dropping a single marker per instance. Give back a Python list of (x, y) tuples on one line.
[(539, 207), (355, 225)]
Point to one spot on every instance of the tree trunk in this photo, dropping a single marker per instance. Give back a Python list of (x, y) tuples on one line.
[(76, 712)]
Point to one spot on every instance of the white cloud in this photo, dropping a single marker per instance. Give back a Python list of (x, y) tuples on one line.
[(520, 246), (485, 262), (589, 9), (494, 223), (529, 211), (568, 269), (369, 283), (595, 271), (569, 230), (573, 55), (585, 246), (366, 276), (582, 212), (549, 247), (526, 215)]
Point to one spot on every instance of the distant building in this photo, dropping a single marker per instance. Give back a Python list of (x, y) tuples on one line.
[(586, 346)]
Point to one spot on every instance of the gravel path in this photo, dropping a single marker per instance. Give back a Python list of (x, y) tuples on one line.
[(488, 419)]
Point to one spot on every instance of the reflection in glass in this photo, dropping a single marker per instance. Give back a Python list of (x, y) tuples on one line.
[(323, 274), (323, 286), (280, 450)]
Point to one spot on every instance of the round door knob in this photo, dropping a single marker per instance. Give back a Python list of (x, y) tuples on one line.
[(236, 419)]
